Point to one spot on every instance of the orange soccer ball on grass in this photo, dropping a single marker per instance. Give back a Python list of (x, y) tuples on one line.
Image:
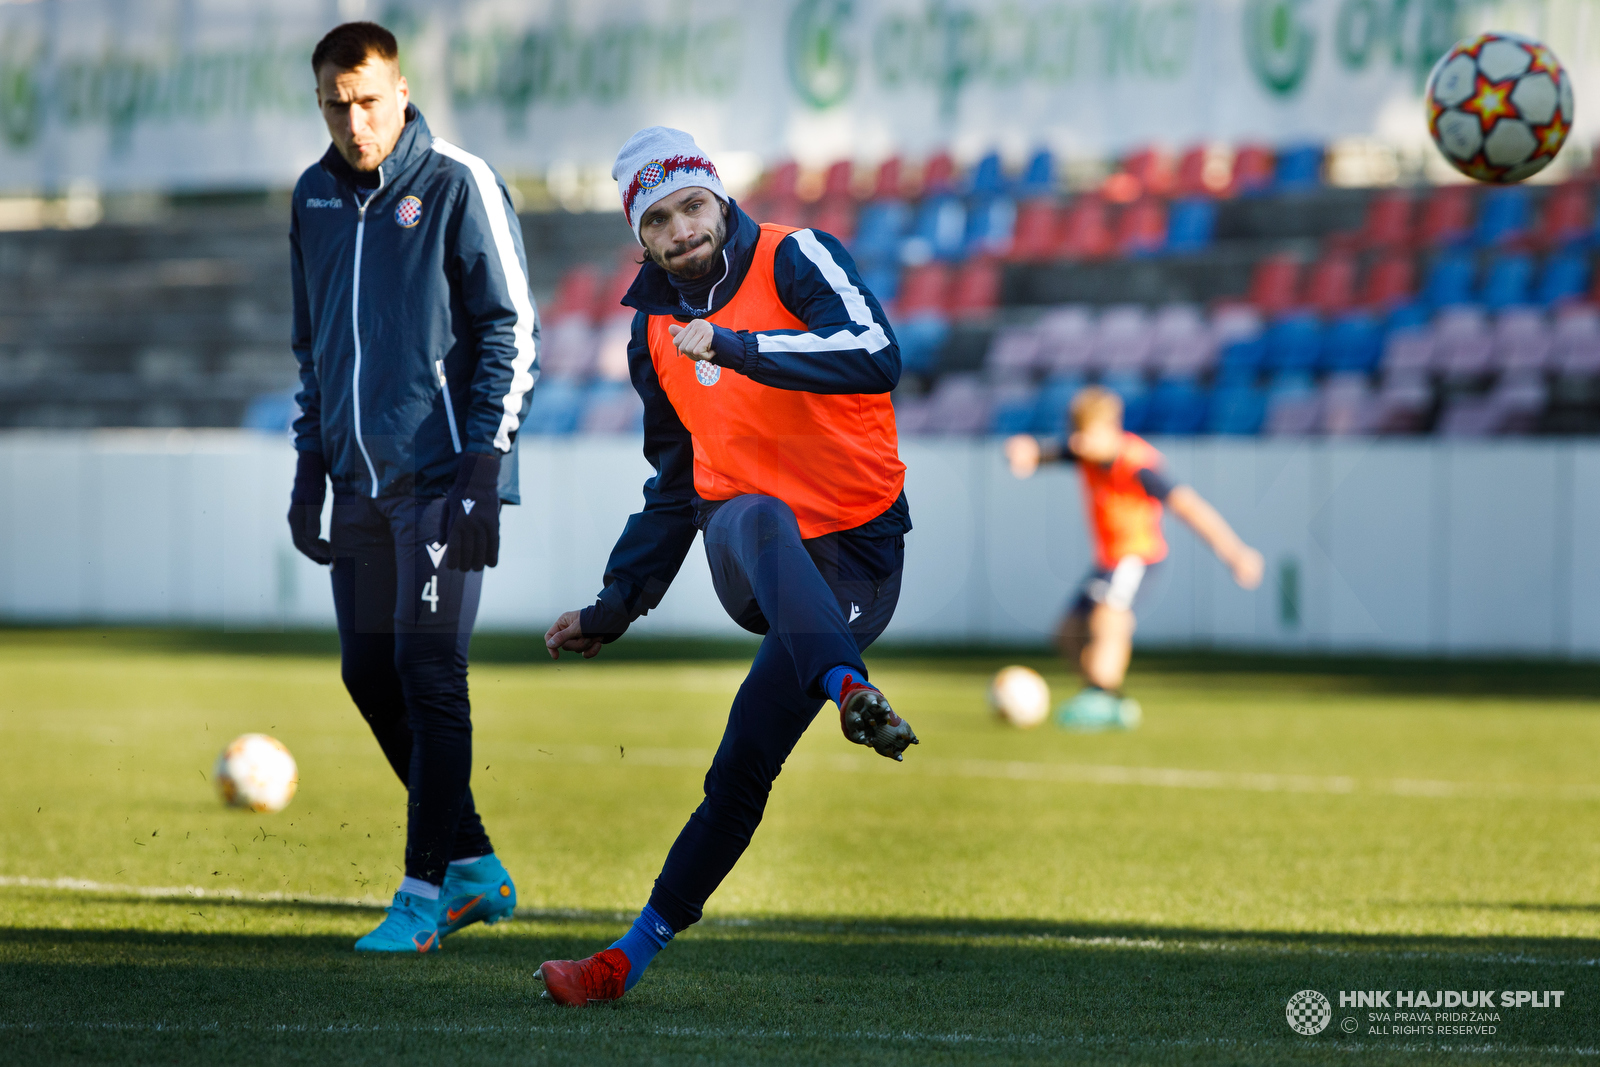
[(1499, 107)]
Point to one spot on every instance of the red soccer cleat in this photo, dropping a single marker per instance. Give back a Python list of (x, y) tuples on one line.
[(574, 983), (867, 719)]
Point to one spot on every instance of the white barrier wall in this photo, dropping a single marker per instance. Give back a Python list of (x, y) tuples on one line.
[(1425, 546)]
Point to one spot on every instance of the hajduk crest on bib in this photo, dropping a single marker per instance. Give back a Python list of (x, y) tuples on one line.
[(707, 372)]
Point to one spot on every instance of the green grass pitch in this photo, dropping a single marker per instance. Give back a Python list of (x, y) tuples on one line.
[(1003, 897)]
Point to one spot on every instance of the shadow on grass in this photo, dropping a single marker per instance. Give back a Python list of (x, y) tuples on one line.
[(1478, 676)]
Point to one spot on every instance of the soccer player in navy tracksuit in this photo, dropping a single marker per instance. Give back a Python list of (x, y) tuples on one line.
[(765, 366), (415, 332)]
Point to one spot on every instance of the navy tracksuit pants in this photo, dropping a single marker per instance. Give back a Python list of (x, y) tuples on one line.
[(819, 603), (405, 621)]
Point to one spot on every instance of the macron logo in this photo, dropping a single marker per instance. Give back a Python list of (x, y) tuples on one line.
[(468, 504), (435, 553), (855, 612), (317, 201)]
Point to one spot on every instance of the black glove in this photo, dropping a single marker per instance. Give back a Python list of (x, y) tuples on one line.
[(472, 514), (305, 507)]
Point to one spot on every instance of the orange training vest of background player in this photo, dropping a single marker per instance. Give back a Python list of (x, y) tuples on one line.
[(834, 459), (1125, 519)]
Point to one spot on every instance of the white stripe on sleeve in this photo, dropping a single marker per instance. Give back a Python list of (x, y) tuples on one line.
[(500, 219), (854, 304)]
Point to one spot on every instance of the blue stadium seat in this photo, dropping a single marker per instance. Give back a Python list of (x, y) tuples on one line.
[(921, 337), (988, 177), (1354, 344), (878, 231), (1505, 215), (883, 279), (1509, 281), (1190, 224), (555, 408), (1565, 277), (1135, 395), (990, 222), (1286, 383), (1450, 280), (1040, 177), (1236, 409), (1242, 358), (1294, 342), (1298, 168), (940, 229), (1177, 406), (271, 412), (1407, 316), (1014, 414), (1050, 409)]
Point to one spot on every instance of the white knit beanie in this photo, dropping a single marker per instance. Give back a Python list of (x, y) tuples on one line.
[(656, 162)]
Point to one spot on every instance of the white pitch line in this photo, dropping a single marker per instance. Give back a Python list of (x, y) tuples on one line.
[(1094, 774)]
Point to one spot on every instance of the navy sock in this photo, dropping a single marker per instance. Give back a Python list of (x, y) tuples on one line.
[(833, 681), (648, 935)]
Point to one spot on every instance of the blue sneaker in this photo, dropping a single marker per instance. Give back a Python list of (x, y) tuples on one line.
[(1095, 709), (476, 892), (411, 925)]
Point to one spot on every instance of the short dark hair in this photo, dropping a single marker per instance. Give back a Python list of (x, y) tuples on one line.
[(352, 44)]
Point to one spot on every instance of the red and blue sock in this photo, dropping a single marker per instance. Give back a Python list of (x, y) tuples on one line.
[(648, 935)]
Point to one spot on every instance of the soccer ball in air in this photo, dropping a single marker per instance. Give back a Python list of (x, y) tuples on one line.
[(1499, 107), (1019, 696), (256, 772)]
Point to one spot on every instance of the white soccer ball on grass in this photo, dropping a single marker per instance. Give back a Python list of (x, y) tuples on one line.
[(256, 772), (1020, 696)]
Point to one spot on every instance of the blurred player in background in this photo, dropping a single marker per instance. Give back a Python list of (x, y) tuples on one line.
[(1124, 488), (415, 332), (765, 367)]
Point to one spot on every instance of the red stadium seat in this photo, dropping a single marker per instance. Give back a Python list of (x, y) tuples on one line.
[(1389, 281), (1142, 227), (1085, 229), (577, 294), (1388, 221), (835, 215), (1038, 225), (836, 183), (886, 186), (1252, 170), (782, 181), (619, 283), (1275, 286), (938, 173), (1331, 284), (1152, 169), (1446, 216), (1567, 216), (1191, 176), (976, 290), (925, 289)]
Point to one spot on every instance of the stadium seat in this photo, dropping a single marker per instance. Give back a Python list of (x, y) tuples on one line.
[(1446, 217), (1387, 225), (1066, 339), (1035, 234), (991, 221), (836, 216), (1293, 406), (1346, 406), (1514, 406), (879, 227), (1450, 280), (887, 183), (611, 346), (939, 230), (612, 408), (938, 175), (883, 279), (554, 408), (568, 346), (1353, 345), (1408, 350), (1086, 229), (1123, 340), (1298, 169), (1331, 284), (1236, 409), (1252, 171), (1403, 403), (921, 321), (1141, 228), (1575, 342), (1294, 344), (1013, 354), (1182, 343), (576, 294), (1135, 394), (1275, 284), (1054, 399), (1152, 169), (1192, 174), (1509, 281), (1505, 217), (1461, 345), (1521, 341), (1039, 177), (1177, 406), (1389, 282), (1567, 216), (836, 181), (911, 412), (1565, 277), (1012, 409), (921, 337), (1234, 322), (1190, 224), (924, 289), (1243, 357), (988, 177), (975, 291), (959, 404), (273, 412)]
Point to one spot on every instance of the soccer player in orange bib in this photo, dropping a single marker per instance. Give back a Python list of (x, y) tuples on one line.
[(765, 367), (1124, 488)]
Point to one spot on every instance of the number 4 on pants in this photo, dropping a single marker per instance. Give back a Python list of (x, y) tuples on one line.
[(430, 593)]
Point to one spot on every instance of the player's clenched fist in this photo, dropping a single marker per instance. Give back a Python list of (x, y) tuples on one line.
[(566, 634), (1022, 452), (693, 340)]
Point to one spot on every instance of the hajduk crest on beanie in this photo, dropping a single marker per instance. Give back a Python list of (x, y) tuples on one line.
[(657, 162)]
